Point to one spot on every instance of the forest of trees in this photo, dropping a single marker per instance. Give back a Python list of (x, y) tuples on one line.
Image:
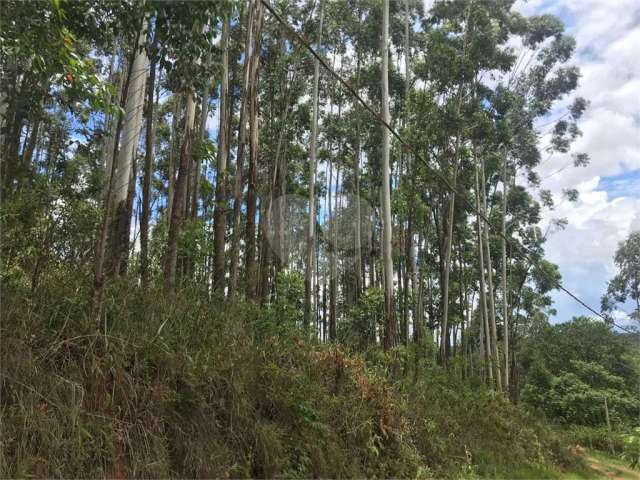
[(358, 174)]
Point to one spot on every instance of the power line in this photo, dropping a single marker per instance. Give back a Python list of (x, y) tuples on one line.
[(522, 250)]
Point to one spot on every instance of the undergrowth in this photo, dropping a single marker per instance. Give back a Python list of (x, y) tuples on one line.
[(198, 387)]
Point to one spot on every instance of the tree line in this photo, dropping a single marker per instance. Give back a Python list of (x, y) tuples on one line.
[(198, 145)]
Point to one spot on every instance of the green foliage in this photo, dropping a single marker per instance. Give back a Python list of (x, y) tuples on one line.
[(365, 319), (626, 284), (289, 306), (631, 451), (572, 367)]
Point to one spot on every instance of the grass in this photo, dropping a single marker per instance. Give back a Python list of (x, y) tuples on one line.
[(197, 387), (610, 466)]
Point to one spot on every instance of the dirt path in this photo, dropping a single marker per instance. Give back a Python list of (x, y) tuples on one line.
[(609, 470)]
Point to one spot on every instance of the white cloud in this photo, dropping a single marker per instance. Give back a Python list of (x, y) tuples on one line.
[(608, 35)]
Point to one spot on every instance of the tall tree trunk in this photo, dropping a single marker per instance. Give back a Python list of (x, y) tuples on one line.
[(418, 322), (112, 128), (309, 266), (106, 225), (411, 264), (444, 345), (390, 320), (220, 212), (250, 232), (238, 184), (505, 291), (148, 170), (131, 129), (172, 150), (333, 314), (204, 115), (358, 266), (491, 298), (177, 209), (331, 253), (484, 314)]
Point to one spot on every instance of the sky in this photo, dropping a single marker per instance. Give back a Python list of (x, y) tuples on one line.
[(608, 53)]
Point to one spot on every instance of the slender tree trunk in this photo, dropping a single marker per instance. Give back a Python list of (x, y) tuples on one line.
[(242, 132), (309, 266), (491, 297), (115, 127), (331, 252), (483, 299), (250, 235), (444, 346), (505, 291), (333, 313), (358, 267), (204, 115), (418, 323), (390, 331), (219, 214), (177, 210), (172, 149), (148, 170), (410, 267)]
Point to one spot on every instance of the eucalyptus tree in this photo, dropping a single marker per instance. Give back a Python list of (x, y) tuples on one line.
[(625, 285), (252, 98), (187, 35), (390, 326), (219, 216), (309, 266)]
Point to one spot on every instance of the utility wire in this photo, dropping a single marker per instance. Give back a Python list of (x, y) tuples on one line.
[(523, 251)]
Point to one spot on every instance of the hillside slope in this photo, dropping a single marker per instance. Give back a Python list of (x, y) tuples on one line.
[(200, 388)]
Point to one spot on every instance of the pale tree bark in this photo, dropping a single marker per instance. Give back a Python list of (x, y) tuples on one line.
[(484, 314), (172, 149), (444, 346), (358, 266), (148, 170), (238, 184), (491, 297), (410, 261), (177, 209), (333, 258), (390, 331), (505, 291), (219, 214), (107, 223), (309, 266), (131, 129), (330, 251)]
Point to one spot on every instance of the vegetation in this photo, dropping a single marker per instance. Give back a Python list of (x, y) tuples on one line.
[(205, 388), (218, 260)]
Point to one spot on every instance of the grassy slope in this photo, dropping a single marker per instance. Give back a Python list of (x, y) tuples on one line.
[(194, 388)]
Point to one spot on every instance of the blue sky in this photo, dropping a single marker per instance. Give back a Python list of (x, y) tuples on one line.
[(608, 36)]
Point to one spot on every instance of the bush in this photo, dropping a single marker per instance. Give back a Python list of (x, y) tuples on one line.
[(198, 387)]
